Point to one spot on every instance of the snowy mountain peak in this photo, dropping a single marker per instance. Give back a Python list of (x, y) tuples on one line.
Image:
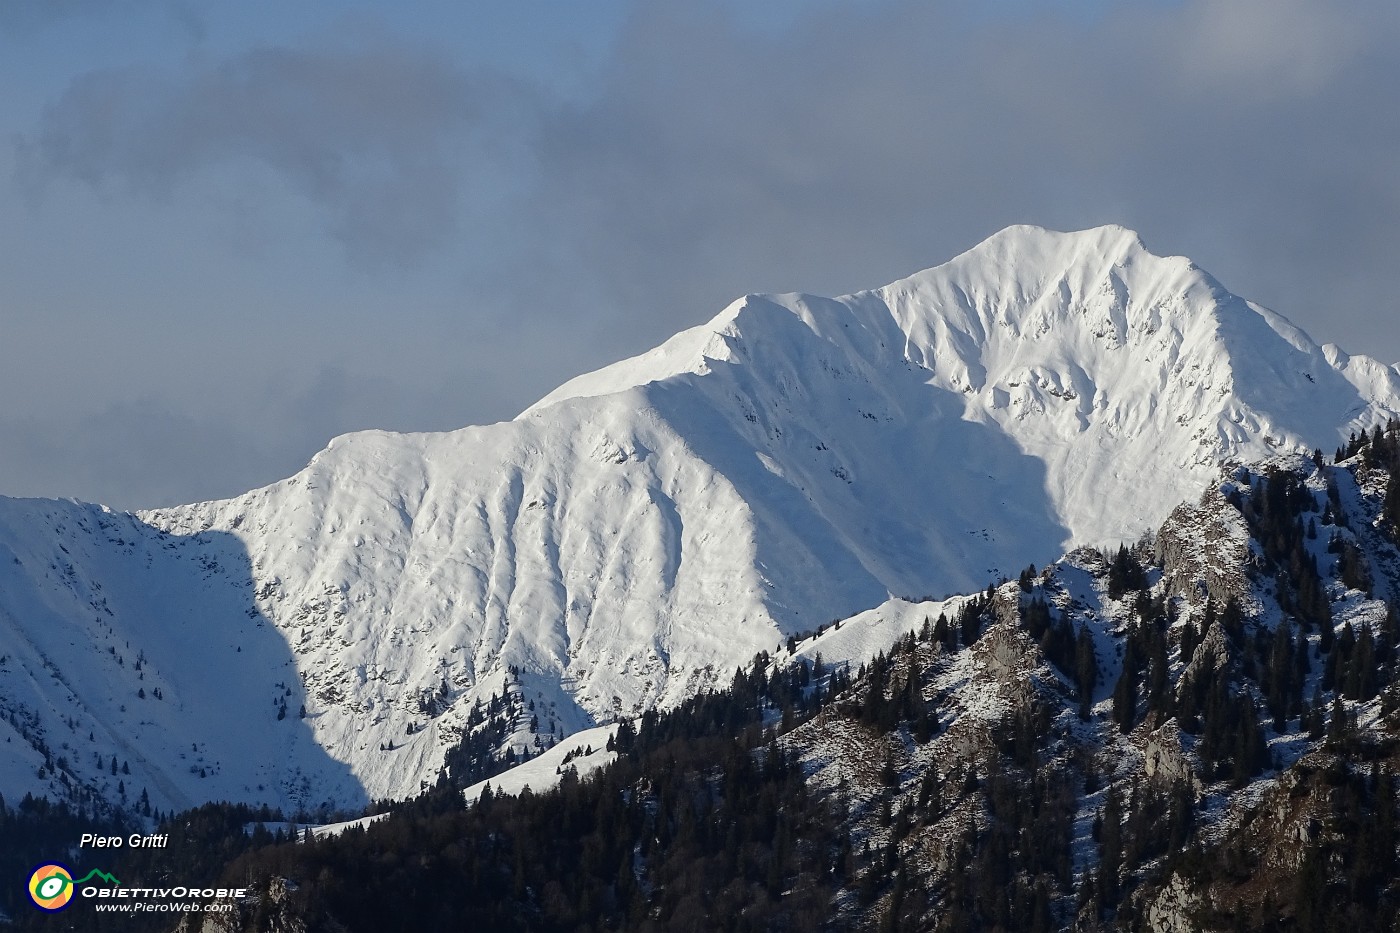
[(1024, 251), (644, 529), (1074, 296), (1071, 343), (1015, 263)]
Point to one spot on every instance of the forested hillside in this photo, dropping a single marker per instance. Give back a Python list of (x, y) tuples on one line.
[(1195, 731)]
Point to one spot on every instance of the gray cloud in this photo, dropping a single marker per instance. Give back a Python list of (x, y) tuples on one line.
[(1258, 137), (862, 143), (154, 451), (376, 134), (29, 14), (25, 17), (708, 159), (132, 454)]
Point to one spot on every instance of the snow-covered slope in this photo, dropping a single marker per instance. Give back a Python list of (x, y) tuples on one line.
[(133, 661), (585, 752), (642, 530)]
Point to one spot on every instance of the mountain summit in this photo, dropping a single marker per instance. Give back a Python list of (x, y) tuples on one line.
[(643, 529), (1090, 353)]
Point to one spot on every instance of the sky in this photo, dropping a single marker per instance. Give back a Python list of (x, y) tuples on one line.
[(230, 232)]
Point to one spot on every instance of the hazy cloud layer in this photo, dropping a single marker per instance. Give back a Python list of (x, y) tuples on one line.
[(28, 14), (26, 18), (376, 134), (154, 451), (855, 145)]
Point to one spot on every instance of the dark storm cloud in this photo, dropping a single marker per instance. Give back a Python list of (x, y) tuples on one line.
[(376, 135)]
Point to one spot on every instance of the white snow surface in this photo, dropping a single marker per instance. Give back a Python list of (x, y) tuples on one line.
[(644, 529), (866, 634), (590, 751), (318, 831)]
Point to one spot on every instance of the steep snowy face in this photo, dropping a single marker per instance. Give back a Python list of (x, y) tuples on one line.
[(1123, 375), (645, 529), (135, 669), (1128, 375)]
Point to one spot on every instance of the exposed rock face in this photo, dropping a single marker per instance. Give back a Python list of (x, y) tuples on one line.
[(1172, 909), (1007, 656), (1204, 550), (1211, 655), (1163, 759)]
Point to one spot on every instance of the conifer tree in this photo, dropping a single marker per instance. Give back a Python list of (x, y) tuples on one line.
[(1086, 667), (1125, 696), (1281, 673), (1110, 850)]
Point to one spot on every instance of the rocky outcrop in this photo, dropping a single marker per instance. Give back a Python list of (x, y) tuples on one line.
[(1163, 759), (267, 912), (1204, 550), (1174, 908)]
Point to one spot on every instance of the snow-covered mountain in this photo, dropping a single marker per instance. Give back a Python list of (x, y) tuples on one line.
[(643, 529)]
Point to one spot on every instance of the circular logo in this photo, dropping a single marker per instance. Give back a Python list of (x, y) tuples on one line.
[(51, 887)]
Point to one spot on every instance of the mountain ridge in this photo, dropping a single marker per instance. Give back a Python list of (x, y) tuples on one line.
[(637, 533)]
